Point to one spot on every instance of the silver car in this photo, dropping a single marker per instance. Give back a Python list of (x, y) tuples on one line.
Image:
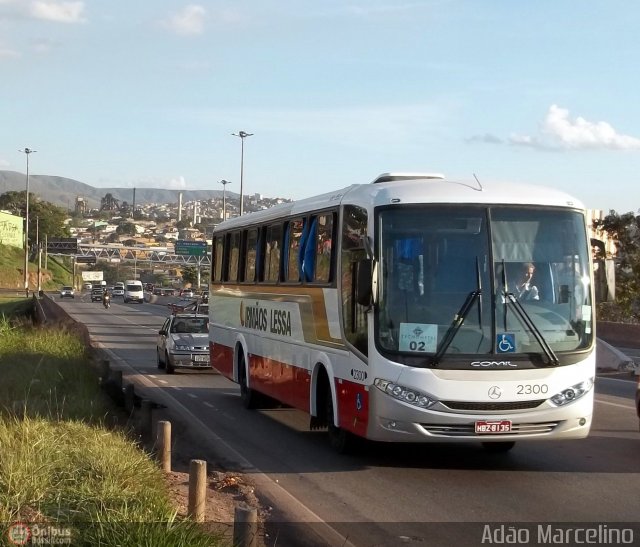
[(183, 342), (67, 292)]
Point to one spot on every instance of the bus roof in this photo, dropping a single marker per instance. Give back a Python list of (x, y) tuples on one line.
[(408, 188)]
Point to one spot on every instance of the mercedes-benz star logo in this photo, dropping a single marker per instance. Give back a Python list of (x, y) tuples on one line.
[(495, 392)]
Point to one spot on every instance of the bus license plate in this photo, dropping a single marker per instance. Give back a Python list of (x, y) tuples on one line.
[(201, 358), (489, 427)]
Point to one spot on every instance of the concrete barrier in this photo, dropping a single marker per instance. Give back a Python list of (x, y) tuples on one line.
[(610, 358)]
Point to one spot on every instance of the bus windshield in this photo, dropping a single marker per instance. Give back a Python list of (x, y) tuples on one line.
[(451, 278)]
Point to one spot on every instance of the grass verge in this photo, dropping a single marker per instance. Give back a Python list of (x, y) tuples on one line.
[(59, 465), (12, 270)]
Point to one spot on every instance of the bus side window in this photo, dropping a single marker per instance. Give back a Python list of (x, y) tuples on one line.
[(307, 254), (250, 255), (323, 248), (294, 235), (273, 245), (216, 259), (354, 317), (234, 256)]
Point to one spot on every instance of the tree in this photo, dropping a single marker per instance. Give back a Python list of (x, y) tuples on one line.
[(126, 228), (190, 274), (50, 217), (625, 232)]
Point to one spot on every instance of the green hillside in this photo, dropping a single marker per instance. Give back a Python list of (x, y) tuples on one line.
[(12, 271)]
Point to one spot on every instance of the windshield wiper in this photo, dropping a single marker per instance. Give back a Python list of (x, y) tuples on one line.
[(528, 322), (458, 319)]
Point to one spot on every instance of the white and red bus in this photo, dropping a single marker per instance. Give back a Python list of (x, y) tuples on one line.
[(399, 310)]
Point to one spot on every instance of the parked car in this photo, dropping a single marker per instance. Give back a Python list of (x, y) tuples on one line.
[(183, 342), (67, 292)]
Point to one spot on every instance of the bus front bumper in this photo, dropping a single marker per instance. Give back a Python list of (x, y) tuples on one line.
[(397, 421)]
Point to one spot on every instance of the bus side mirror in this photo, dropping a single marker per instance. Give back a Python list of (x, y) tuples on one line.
[(364, 292)]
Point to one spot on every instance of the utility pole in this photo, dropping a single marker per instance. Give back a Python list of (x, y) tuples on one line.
[(26, 151), (39, 254)]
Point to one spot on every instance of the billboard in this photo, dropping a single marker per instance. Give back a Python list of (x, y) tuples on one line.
[(11, 230), (92, 276)]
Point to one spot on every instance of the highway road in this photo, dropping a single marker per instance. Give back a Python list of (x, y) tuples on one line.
[(400, 494)]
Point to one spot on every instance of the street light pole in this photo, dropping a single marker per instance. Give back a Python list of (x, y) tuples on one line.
[(26, 151), (243, 135), (224, 198), (39, 247)]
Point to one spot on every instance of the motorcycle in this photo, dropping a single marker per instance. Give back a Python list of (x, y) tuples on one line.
[(106, 301)]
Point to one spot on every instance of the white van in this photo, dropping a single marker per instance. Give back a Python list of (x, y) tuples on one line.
[(133, 291)]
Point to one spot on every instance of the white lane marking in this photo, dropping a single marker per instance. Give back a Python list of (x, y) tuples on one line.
[(163, 381), (176, 388), (614, 404), (630, 380), (192, 395), (205, 403)]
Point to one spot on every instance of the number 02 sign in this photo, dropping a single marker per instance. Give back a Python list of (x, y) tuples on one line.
[(418, 337)]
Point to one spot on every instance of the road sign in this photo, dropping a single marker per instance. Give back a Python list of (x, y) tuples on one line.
[(62, 245), (191, 248), (89, 259)]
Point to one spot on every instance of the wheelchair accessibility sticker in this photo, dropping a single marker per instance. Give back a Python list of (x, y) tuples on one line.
[(506, 342)]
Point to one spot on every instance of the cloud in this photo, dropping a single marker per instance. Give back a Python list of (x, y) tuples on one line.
[(59, 12), (381, 9), (560, 132), (44, 45), (487, 138), (6, 53), (177, 183), (189, 21)]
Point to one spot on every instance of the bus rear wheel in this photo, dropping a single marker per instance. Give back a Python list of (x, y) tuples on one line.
[(499, 447), (248, 396)]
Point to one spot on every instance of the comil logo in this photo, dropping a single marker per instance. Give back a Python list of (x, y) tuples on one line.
[(19, 534)]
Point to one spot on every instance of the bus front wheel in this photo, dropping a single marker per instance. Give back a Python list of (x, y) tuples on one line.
[(341, 441)]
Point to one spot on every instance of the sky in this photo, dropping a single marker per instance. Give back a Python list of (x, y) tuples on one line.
[(143, 93)]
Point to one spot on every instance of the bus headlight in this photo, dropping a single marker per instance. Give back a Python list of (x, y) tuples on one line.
[(572, 393), (404, 394)]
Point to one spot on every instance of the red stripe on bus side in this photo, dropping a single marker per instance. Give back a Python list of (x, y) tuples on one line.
[(222, 359), (291, 385), (353, 407), (286, 383)]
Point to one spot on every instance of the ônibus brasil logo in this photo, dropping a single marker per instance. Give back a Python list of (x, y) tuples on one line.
[(19, 534)]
